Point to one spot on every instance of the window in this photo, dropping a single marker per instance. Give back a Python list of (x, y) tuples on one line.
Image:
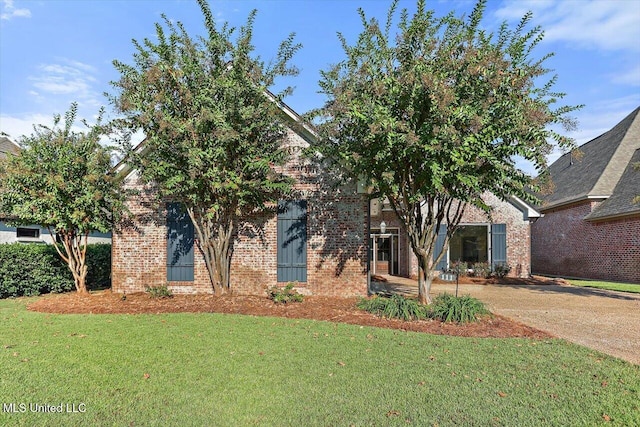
[(180, 241), (292, 241), (27, 233), (470, 244)]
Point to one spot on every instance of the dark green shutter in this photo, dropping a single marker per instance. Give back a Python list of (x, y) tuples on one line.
[(292, 241), (498, 244), (179, 244), (442, 234)]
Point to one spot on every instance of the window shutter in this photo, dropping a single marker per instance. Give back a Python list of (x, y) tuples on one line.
[(180, 239), (442, 234), (498, 244), (292, 241)]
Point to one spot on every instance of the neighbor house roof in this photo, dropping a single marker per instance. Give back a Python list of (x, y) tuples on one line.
[(601, 171), (7, 146)]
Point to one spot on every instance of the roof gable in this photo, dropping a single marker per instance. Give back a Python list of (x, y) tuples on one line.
[(597, 173), (7, 146)]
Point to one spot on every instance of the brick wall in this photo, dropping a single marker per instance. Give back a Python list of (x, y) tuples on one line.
[(336, 243), (564, 244), (518, 235)]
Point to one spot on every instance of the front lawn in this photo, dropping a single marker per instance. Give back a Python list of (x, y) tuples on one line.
[(612, 286), (232, 370)]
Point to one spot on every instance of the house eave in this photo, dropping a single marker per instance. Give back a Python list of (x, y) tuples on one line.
[(569, 202), (615, 216), (527, 210)]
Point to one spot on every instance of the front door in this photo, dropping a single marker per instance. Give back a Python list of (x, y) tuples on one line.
[(384, 252)]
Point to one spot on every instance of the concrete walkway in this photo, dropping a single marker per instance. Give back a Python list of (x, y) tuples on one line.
[(606, 321)]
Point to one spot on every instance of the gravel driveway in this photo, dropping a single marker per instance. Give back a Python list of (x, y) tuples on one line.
[(606, 321)]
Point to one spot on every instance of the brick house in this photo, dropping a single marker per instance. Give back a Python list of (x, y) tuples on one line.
[(318, 238), (591, 225), (501, 238)]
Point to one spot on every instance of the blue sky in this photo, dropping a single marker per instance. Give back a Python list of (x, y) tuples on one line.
[(54, 52)]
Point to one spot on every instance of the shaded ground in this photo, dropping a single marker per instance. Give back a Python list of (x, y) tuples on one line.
[(607, 321), (318, 308)]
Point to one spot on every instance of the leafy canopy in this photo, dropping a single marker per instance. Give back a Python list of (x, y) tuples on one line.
[(62, 179), (442, 106), (213, 131)]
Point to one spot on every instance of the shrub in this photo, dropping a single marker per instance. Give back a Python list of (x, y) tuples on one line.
[(32, 269), (464, 309), (284, 295), (460, 267), (159, 291), (482, 269), (501, 270), (99, 266), (395, 307)]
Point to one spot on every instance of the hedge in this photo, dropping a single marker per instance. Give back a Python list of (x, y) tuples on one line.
[(34, 269)]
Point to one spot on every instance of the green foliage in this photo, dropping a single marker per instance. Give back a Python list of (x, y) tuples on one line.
[(464, 309), (501, 270), (63, 180), (432, 115), (394, 307), (461, 268), (34, 269), (284, 295), (481, 269), (160, 291), (213, 131), (99, 266)]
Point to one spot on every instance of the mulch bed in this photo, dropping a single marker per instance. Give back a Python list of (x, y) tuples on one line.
[(313, 307)]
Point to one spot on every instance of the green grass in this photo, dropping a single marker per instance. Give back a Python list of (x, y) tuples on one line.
[(232, 370), (612, 286)]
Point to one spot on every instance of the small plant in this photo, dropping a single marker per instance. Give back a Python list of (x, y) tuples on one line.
[(482, 270), (501, 270), (284, 295), (395, 307), (159, 291), (464, 309), (460, 267)]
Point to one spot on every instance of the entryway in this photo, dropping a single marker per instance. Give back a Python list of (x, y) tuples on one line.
[(384, 249)]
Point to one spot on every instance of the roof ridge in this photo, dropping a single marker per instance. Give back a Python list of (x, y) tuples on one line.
[(621, 157)]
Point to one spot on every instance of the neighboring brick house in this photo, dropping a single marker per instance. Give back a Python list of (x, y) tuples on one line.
[(318, 238), (32, 233), (591, 225), (502, 238)]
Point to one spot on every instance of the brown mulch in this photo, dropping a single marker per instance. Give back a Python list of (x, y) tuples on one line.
[(313, 307)]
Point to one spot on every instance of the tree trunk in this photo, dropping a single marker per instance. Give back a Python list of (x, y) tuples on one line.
[(214, 241), (425, 278), (75, 254)]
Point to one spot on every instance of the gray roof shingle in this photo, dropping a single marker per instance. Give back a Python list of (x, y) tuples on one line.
[(598, 173)]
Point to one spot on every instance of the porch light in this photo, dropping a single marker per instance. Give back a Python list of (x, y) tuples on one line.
[(383, 227)]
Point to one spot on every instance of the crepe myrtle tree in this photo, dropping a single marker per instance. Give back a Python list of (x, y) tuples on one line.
[(213, 130), (433, 115), (63, 180)]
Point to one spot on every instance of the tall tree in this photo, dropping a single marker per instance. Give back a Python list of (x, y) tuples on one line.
[(213, 130), (433, 116), (63, 180)]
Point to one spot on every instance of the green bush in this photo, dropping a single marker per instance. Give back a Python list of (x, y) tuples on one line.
[(99, 266), (27, 270), (464, 309), (501, 270), (284, 295), (481, 269), (34, 269), (159, 291), (395, 307)]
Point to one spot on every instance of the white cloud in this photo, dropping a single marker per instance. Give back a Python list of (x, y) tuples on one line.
[(9, 11), (602, 24), (66, 78), (628, 77)]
